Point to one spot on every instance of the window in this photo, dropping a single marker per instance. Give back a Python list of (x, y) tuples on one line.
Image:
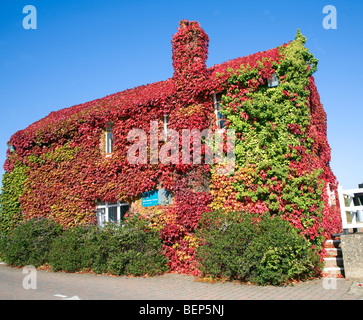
[(220, 118), (166, 122), (109, 142), (111, 212), (273, 81), (331, 195), (10, 147), (109, 138)]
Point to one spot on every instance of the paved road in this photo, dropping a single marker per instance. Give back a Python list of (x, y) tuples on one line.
[(60, 286)]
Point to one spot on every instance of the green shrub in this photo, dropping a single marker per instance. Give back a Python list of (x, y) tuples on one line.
[(268, 252), (278, 254), (151, 263), (226, 237), (132, 248), (3, 244), (69, 251), (100, 244), (29, 243)]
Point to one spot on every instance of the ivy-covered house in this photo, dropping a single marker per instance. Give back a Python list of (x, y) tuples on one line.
[(73, 165)]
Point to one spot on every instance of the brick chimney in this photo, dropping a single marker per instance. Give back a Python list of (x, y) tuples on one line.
[(190, 52)]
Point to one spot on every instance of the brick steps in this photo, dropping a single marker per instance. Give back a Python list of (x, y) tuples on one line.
[(333, 252), (334, 265)]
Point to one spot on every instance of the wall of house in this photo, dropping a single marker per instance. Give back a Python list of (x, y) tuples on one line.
[(281, 150)]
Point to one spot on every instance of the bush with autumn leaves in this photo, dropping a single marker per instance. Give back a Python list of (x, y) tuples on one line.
[(59, 169)]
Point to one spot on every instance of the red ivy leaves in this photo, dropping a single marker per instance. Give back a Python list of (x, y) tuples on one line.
[(68, 189)]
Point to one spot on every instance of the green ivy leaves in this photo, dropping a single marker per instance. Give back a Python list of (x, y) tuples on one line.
[(273, 130), (12, 189)]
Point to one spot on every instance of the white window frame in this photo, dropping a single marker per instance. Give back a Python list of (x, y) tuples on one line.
[(217, 108), (109, 142), (166, 123), (102, 219), (331, 195), (273, 81), (108, 139)]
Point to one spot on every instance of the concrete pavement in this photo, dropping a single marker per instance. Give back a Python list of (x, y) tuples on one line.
[(59, 286)]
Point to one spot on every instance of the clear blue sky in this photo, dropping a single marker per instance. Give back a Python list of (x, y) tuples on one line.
[(83, 50)]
